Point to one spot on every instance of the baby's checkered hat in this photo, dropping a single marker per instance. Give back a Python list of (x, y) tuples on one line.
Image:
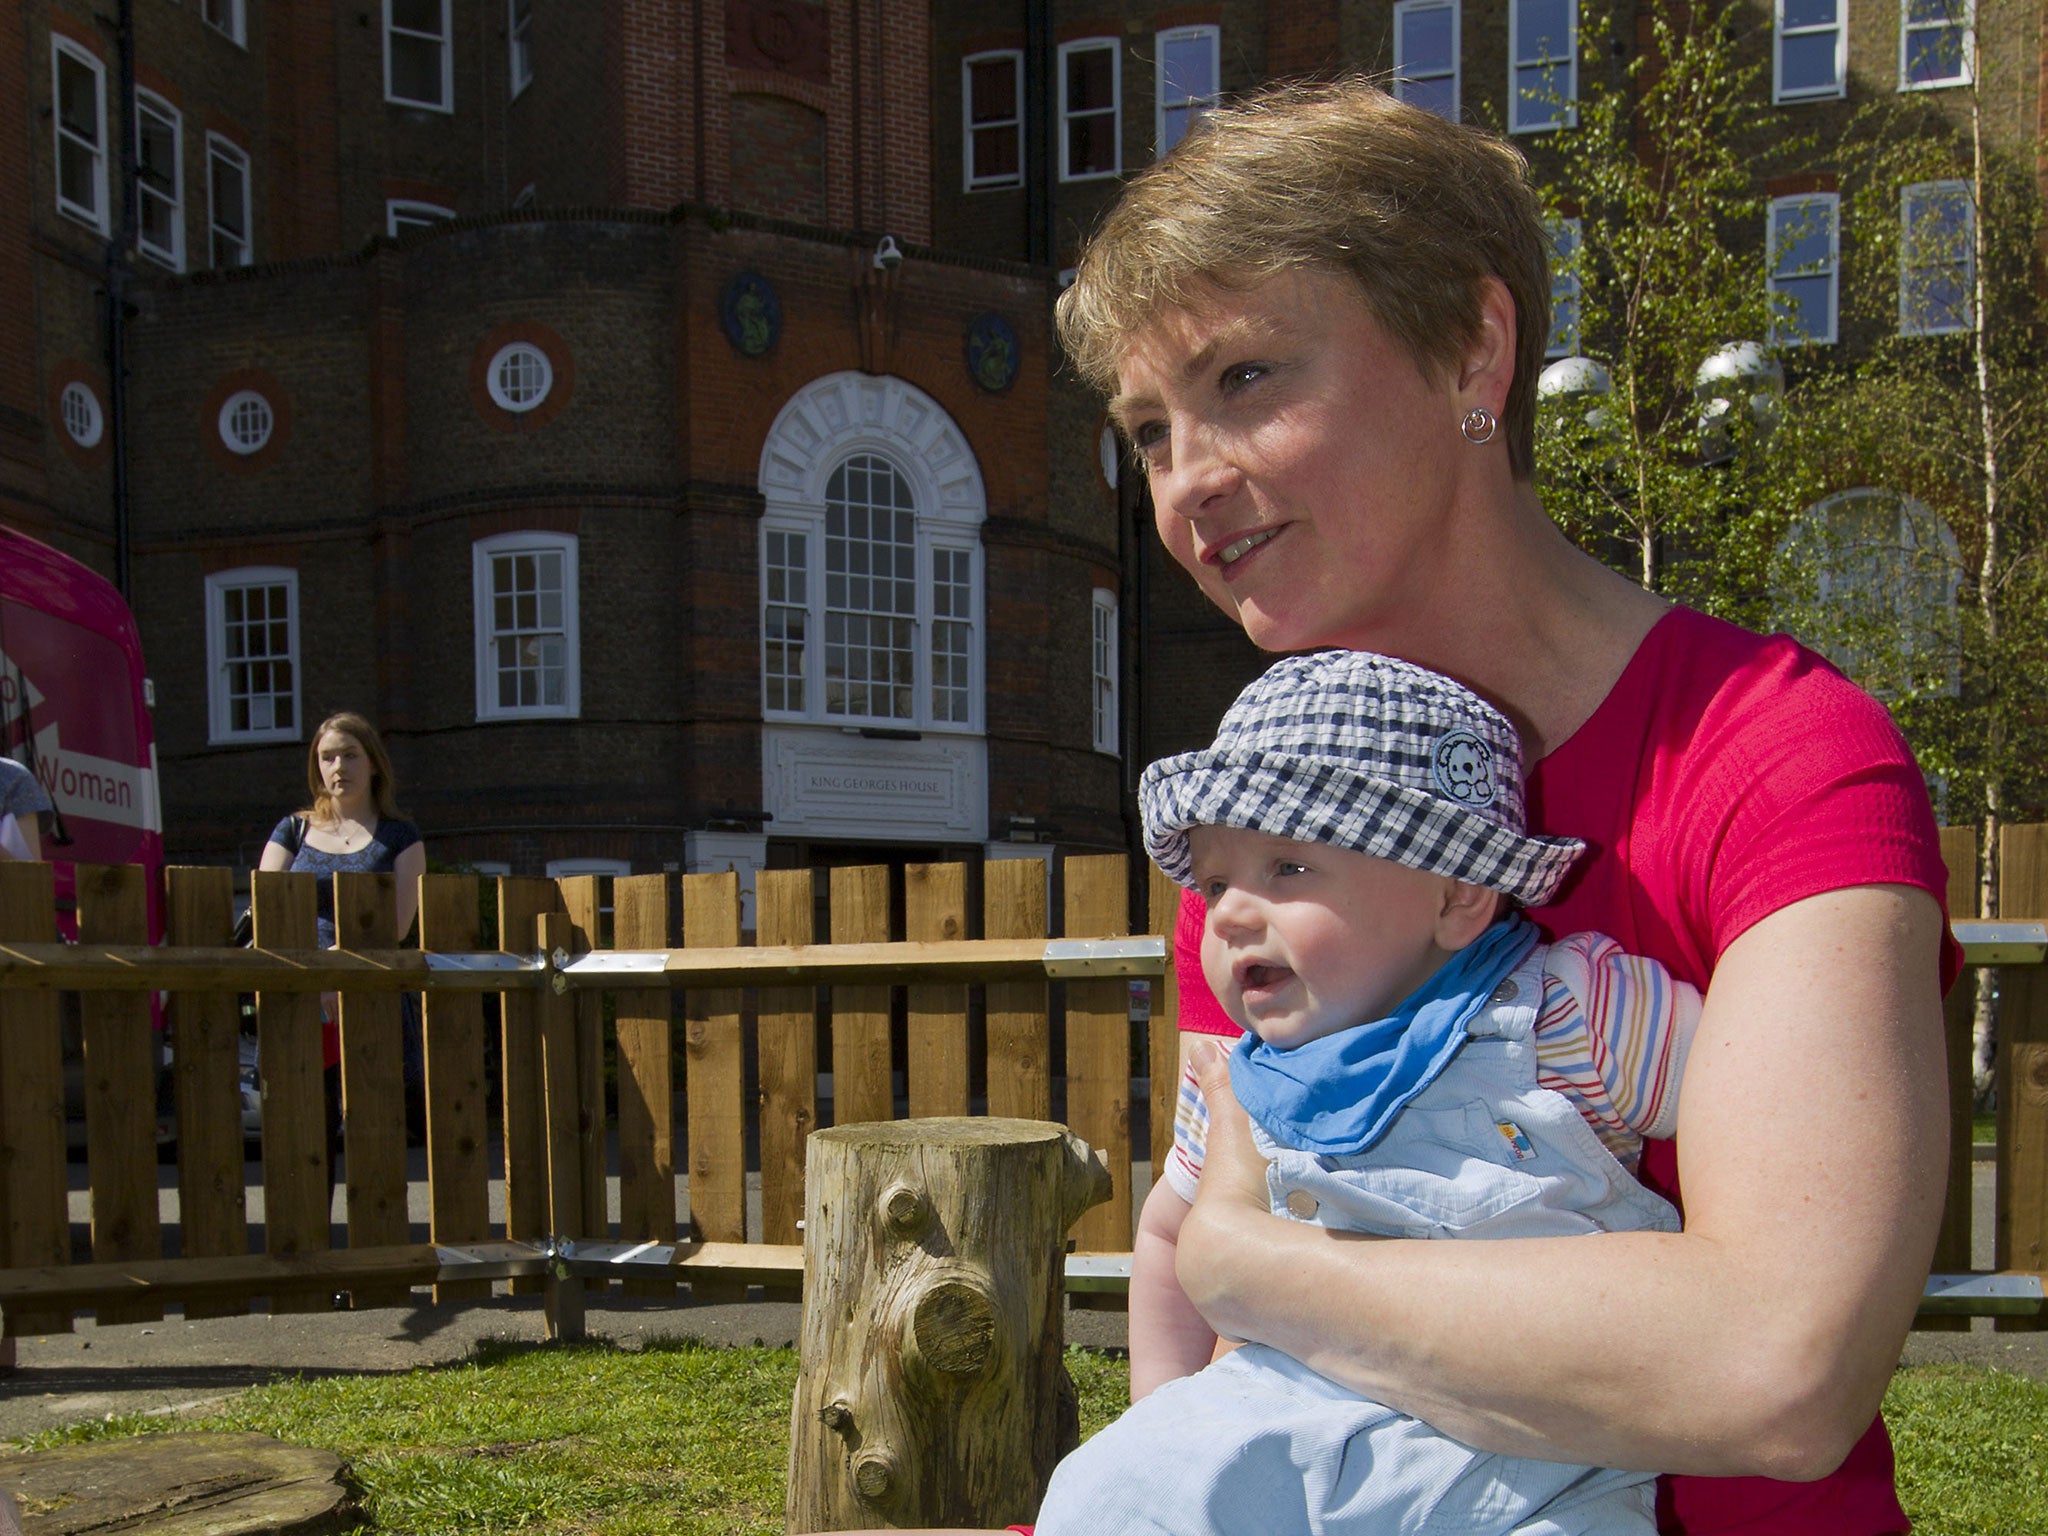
[(1367, 753)]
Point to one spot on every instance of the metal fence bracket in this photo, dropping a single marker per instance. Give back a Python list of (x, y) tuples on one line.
[(1066, 959), (1982, 1295)]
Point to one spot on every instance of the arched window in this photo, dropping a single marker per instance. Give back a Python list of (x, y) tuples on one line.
[(870, 592), (871, 573), (1868, 578)]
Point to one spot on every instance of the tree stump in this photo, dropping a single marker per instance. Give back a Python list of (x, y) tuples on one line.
[(932, 1390), (196, 1484)]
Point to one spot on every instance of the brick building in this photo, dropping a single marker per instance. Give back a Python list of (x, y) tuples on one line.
[(583, 394), (649, 412)]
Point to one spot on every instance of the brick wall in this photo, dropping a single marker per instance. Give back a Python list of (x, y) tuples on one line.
[(657, 89), (557, 130), (778, 157), (22, 444)]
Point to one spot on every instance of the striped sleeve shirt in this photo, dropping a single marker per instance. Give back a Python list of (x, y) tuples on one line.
[(1611, 1036)]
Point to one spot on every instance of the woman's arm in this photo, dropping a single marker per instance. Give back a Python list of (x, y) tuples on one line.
[(31, 835), (406, 869), (275, 857), (1758, 1341)]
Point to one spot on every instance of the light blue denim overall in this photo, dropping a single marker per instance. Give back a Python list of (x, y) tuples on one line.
[(1260, 1445)]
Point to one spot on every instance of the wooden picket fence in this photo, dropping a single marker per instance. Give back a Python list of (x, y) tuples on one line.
[(2019, 1214), (578, 1035), (587, 1061)]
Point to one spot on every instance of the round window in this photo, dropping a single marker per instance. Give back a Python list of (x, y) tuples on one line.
[(246, 421), (82, 418), (520, 376)]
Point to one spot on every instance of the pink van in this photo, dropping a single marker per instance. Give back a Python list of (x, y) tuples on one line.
[(74, 710)]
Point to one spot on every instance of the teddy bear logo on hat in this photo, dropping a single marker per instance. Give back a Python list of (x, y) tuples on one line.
[(1462, 766)]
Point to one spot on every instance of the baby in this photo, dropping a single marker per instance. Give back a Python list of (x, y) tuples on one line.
[(1417, 1064)]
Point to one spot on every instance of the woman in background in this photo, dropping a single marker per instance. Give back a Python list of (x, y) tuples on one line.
[(24, 810), (352, 824)]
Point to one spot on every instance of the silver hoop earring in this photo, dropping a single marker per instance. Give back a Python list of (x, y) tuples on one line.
[(1478, 426)]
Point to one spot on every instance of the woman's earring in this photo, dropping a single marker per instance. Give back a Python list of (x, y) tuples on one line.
[(1479, 425)]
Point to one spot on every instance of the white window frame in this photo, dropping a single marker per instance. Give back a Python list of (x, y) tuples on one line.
[(1403, 73), (932, 536), (444, 40), (404, 213), (90, 423), (494, 378), (1194, 104), (230, 18), (1798, 207), (608, 870), (220, 691), (519, 44), (1115, 110), (1912, 321), (484, 552), (1105, 697), (1780, 92), (1563, 114), (148, 103), (62, 49), (971, 179), (1966, 55), (1566, 237), (789, 616), (227, 152), (233, 406), (562, 869)]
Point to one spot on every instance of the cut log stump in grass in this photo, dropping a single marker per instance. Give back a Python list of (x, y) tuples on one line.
[(931, 1389)]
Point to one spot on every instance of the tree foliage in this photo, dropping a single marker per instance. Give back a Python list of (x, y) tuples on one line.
[(1670, 270), (1890, 508)]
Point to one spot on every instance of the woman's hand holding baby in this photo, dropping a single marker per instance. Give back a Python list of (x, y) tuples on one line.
[(1232, 1211)]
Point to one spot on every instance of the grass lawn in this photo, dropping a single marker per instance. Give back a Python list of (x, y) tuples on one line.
[(682, 1439)]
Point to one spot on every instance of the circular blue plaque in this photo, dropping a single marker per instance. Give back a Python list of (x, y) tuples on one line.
[(991, 352), (751, 314)]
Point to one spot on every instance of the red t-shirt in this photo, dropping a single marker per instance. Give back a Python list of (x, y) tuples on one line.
[(1726, 776)]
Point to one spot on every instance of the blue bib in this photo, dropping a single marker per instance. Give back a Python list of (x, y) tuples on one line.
[(1336, 1096)]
